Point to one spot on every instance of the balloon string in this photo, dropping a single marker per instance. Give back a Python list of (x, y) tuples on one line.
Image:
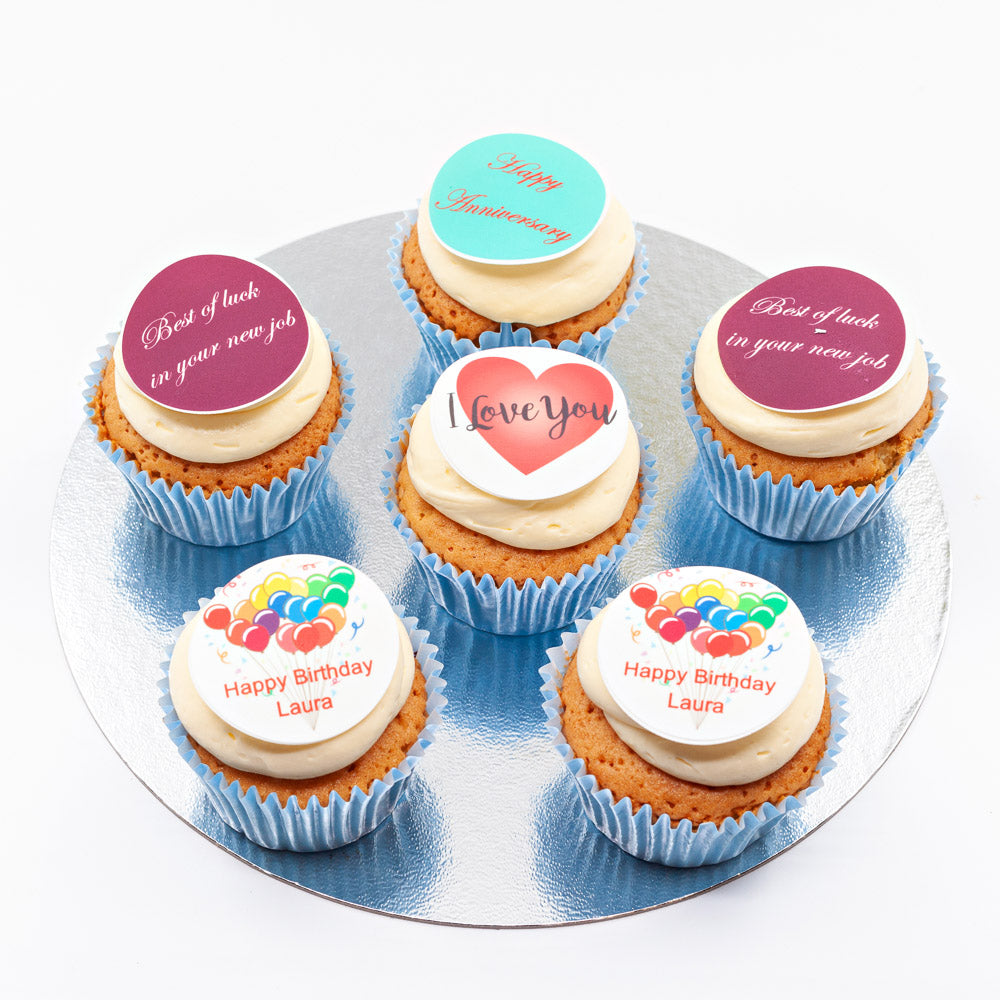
[(688, 688), (315, 686), (301, 689), (667, 658), (261, 664), (703, 687), (697, 690), (275, 662)]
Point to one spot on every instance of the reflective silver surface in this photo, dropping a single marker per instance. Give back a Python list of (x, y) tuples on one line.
[(490, 831)]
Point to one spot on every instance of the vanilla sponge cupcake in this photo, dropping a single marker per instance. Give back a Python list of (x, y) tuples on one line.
[(302, 701), (539, 248), (221, 417), (513, 539), (556, 300), (693, 715), (808, 398), (513, 526)]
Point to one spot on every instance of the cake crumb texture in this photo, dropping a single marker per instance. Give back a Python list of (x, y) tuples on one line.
[(227, 476), (388, 751), (869, 467), (466, 549), (441, 308), (617, 767)]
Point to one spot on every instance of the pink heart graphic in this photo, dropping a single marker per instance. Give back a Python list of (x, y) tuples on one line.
[(531, 421)]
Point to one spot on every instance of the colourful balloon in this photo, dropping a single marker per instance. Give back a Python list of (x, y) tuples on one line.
[(718, 644), (689, 618), (336, 593), (278, 600), (717, 617), (317, 583), (311, 607), (710, 588), (689, 595), (756, 631), (705, 605), (763, 615), (334, 613), (740, 643), (734, 619), (216, 616), (297, 587), (268, 619), (748, 602), (258, 598), (655, 615), (672, 629), (730, 598), (671, 600), (235, 630), (275, 582), (283, 637), (700, 636), (643, 595), (325, 630), (305, 638), (343, 575), (293, 609), (245, 610), (256, 638), (776, 601)]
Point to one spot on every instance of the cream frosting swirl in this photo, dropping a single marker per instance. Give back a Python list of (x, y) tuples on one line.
[(259, 757), (526, 524), (231, 437), (541, 293), (842, 430), (735, 763)]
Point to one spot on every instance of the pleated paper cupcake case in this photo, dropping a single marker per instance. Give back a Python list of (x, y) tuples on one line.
[(783, 510), (216, 519), (316, 827), (507, 609), (444, 348), (683, 846)]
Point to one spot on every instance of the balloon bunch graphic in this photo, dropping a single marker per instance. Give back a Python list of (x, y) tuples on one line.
[(716, 620), (299, 615)]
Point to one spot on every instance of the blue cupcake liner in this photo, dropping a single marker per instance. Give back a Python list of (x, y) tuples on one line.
[(784, 510), (216, 519), (316, 827), (444, 348), (507, 609), (681, 846)]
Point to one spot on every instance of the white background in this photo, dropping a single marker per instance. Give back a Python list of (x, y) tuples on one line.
[(859, 135)]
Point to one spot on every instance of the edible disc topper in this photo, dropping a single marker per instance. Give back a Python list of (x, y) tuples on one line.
[(515, 199), (703, 655), (295, 650), (814, 339), (524, 423), (213, 334)]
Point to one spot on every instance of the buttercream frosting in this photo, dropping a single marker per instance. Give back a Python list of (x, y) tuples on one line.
[(539, 293), (231, 437), (553, 523), (735, 763), (258, 757), (842, 430)]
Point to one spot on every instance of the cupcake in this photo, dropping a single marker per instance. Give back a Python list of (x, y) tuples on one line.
[(220, 401), (302, 701), (694, 713), (517, 242), (519, 486), (808, 398)]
